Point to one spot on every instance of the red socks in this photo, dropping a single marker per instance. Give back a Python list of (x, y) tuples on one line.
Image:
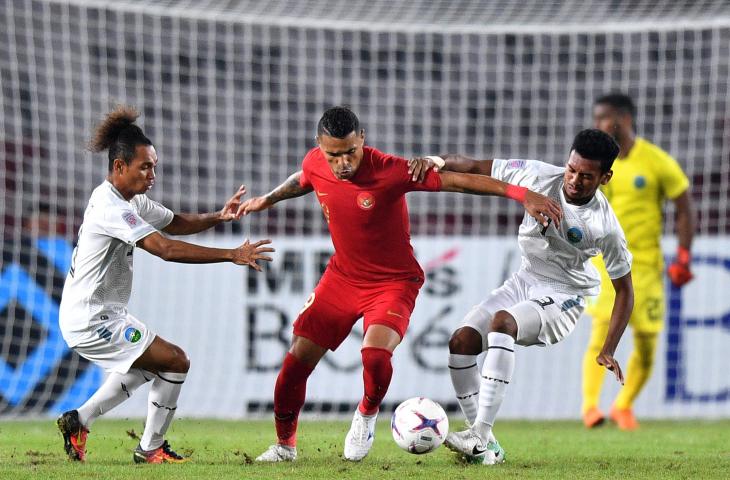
[(289, 393), (377, 372)]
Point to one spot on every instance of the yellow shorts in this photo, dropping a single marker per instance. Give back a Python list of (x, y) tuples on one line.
[(649, 305)]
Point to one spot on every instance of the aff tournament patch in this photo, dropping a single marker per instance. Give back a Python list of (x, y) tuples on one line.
[(130, 218), (132, 335), (516, 164), (640, 181)]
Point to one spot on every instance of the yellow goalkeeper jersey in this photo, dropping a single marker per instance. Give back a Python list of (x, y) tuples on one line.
[(640, 184)]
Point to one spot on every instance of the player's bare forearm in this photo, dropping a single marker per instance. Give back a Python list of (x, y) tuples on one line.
[(684, 220), (540, 207), (291, 188), (462, 164), (182, 252), (622, 308), (190, 223), (472, 184)]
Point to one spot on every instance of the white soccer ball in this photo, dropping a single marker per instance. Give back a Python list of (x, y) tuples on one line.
[(419, 425)]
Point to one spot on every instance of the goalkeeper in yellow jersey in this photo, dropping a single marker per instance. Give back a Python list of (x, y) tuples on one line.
[(643, 177)]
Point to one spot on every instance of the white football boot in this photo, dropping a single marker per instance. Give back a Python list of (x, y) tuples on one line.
[(360, 438), (474, 449), (278, 453)]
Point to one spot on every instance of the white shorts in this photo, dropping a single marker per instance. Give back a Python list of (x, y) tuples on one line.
[(114, 344), (543, 316)]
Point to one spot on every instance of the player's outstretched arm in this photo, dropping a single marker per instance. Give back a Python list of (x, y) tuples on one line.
[(190, 223), (451, 162), (540, 207), (291, 188), (182, 252), (622, 307)]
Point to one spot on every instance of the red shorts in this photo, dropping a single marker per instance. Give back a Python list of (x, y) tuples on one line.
[(336, 304)]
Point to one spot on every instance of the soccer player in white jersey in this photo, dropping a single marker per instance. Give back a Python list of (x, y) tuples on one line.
[(541, 303), (93, 313)]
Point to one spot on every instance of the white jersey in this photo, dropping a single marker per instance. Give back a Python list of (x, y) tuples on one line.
[(560, 257), (99, 282)]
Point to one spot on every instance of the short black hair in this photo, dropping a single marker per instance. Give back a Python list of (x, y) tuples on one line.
[(594, 144), (119, 134), (620, 101), (338, 122)]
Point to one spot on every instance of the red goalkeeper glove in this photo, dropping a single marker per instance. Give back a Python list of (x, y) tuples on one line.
[(679, 272)]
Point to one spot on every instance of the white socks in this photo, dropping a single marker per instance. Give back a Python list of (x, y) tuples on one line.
[(496, 375), (161, 407), (465, 378), (116, 389)]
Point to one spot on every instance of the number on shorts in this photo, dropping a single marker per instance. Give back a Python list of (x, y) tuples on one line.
[(308, 303), (653, 309), (544, 301)]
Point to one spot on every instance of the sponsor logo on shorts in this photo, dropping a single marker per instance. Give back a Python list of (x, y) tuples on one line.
[(132, 335), (130, 218), (104, 333), (365, 200), (574, 235), (570, 303), (640, 181), (391, 312)]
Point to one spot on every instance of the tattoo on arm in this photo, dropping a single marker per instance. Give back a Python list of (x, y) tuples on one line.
[(289, 189)]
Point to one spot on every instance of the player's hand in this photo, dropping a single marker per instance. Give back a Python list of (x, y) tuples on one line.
[(419, 166), (230, 209), (249, 253), (606, 359), (255, 204), (543, 209), (679, 272)]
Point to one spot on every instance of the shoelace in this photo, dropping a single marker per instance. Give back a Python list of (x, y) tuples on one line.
[(361, 430)]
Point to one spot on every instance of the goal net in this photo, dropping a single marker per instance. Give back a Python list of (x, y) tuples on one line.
[(230, 93)]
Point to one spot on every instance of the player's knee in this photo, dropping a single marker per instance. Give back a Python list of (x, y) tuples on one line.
[(179, 361), (503, 322), (465, 341)]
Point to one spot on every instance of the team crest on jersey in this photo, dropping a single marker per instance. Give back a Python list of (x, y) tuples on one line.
[(640, 181), (365, 200), (574, 235), (516, 164), (132, 335), (130, 218)]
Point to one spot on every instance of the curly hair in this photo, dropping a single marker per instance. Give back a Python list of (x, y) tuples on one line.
[(118, 134), (595, 145)]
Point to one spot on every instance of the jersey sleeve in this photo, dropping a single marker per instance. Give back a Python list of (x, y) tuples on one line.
[(616, 255), (153, 212), (399, 169), (123, 223), (524, 173), (672, 179), (305, 178)]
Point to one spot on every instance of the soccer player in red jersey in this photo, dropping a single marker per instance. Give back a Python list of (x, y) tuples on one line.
[(373, 272)]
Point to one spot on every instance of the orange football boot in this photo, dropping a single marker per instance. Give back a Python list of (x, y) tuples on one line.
[(74, 435), (593, 417), (163, 454), (624, 418)]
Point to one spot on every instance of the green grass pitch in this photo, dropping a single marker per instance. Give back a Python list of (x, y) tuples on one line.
[(225, 449)]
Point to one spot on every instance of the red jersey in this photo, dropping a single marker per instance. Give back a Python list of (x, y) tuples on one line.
[(367, 214)]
